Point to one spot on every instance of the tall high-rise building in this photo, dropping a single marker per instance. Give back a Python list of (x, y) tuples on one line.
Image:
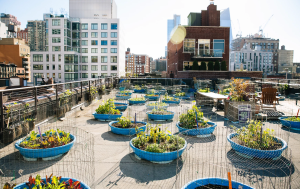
[(225, 21), (37, 35), (172, 23)]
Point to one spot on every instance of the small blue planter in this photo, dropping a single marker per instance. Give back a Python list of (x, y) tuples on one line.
[(157, 157), (161, 117), (82, 185), (214, 181), (139, 91), (251, 153), (130, 93), (182, 97), (201, 131), (290, 124), (152, 107), (281, 98), (122, 88), (44, 153), (106, 117), (171, 102), (121, 108), (152, 97), (131, 102), (126, 131), (123, 97)]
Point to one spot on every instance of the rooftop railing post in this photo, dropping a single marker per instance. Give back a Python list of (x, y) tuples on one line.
[(81, 88), (1, 111), (35, 100), (89, 86), (56, 97)]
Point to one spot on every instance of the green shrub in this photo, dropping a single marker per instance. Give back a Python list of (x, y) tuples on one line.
[(203, 66), (223, 66), (195, 65), (210, 65), (217, 66)]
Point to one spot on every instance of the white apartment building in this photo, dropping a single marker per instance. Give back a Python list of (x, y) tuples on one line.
[(251, 60), (80, 48)]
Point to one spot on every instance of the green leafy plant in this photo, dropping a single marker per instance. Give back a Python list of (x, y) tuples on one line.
[(180, 94), (210, 65), (295, 119), (137, 99), (151, 95), (160, 111), (202, 66), (158, 141), (188, 120), (108, 108), (255, 137), (124, 121), (195, 65), (124, 92), (169, 98), (217, 66), (223, 66), (158, 104), (206, 90), (93, 90), (238, 89), (66, 95)]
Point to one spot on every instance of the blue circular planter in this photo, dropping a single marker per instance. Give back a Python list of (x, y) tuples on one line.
[(152, 107), (214, 181), (131, 102), (152, 97), (182, 97), (82, 185), (201, 131), (139, 91), (122, 88), (121, 108), (171, 102), (157, 157), (129, 93), (126, 131), (161, 117), (290, 124), (282, 98), (106, 116), (123, 97), (250, 153), (44, 153)]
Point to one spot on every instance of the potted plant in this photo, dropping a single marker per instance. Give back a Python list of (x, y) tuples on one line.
[(152, 91), (92, 93), (137, 100), (31, 123), (138, 89), (291, 122), (159, 146), (160, 114), (253, 141), (125, 92), (107, 111), (51, 144), (51, 182), (170, 100), (123, 96), (152, 96), (206, 90), (120, 106), (193, 123), (152, 105), (64, 100), (214, 183), (123, 126), (9, 133), (181, 95), (25, 124)]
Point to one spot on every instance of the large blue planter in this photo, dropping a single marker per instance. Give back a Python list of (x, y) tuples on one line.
[(152, 107), (126, 131), (122, 88), (131, 102), (161, 117), (44, 153), (157, 157), (182, 97), (250, 153), (200, 131), (152, 97), (121, 108), (139, 91), (214, 181), (82, 185), (130, 93), (106, 116), (290, 124), (123, 97), (171, 102)]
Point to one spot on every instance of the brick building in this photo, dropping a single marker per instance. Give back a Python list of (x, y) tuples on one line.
[(136, 63), (23, 34), (205, 41)]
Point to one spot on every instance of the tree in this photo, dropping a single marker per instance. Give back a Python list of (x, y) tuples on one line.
[(195, 65), (223, 66), (210, 65), (203, 66), (217, 66)]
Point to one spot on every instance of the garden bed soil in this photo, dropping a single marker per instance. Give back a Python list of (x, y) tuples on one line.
[(276, 147), (212, 186), (132, 125), (161, 113), (119, 104), (199, 126)]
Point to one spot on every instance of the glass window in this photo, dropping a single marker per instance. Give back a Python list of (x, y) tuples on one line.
[(94, 34), (84, 75), (189, 45), (71, 68), (38, 75), (94, 42), (104, 34), (53, 58), (84, 50), (37, 66), (94, 50), (113, 68), (113, 34), (114, 50), (53, 66), (55, 22), (103, 50), (47, 23), (59, 58), (94, 68), (67, 33), (71, 76), (84, 42), (84, 35), (103, 74), (103, 59), (104, 26), (84, 68), (219, 45), (59, 67), (113, 42), (67, 41), (47, 57), (75, 26), (94, 26), (94, 59), (37, 58), (84, 26), (103, 42), (94, 75), (55, 48), (84, 59), (47, 67), (55, 39), (114, 26), (113, 59), (55, 31), (59, 75), (103, 68), (71, 58), (113, 74)]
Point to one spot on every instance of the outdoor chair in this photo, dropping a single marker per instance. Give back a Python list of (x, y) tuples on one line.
[(268, 98)]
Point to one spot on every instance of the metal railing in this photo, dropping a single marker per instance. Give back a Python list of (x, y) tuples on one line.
[(208, 53)]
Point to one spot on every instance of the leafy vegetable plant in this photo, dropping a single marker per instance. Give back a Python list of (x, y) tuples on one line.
[(180, 94), (137, 99), (124, 121), (188, 120), (108, 108), (295, 119), (169, 98)]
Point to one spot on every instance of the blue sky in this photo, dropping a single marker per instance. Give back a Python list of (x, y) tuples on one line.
[(144, 22)]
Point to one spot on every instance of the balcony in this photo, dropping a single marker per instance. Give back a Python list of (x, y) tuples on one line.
[(25, 62), (208, 53)]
